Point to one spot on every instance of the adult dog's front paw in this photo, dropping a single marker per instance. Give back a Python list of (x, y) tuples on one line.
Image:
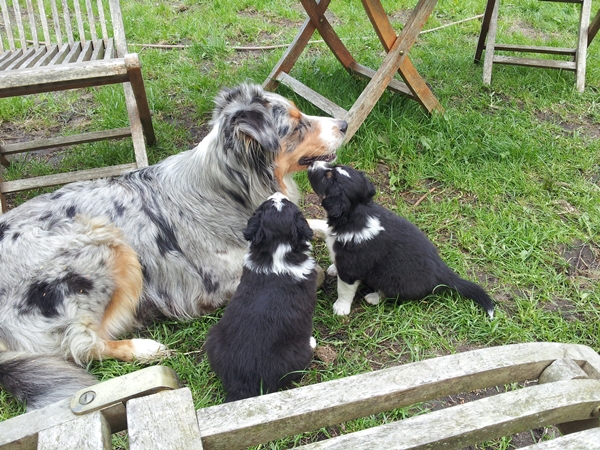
[(373, 298), (341, 308), (332, 271), (147, 349)]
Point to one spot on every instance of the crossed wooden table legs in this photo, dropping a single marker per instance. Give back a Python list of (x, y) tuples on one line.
[(397, 48)]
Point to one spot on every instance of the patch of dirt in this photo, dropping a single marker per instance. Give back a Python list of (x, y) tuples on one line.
[(582, 125), (583, 258), (565, 308)]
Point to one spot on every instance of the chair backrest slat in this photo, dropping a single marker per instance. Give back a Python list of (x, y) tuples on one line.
[(19, 20), (56, 20), (35, 23), (32, 25), (79, 20), (67, 18), (44, 22), (102, 20), (92, 20)]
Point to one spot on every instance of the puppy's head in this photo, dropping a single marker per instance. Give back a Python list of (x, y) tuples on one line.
[(266, 133), (340, 188), (278, 221)]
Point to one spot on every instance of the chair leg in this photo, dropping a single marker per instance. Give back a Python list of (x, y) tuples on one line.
[(594, 27), (489, 46), (134, 70), (137, 134), (485, 26), (582, 44)]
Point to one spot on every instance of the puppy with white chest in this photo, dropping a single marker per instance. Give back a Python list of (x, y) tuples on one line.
[(370, 244), (265, 337)]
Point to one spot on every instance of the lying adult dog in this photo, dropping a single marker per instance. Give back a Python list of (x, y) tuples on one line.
[(264, 340), (370, 244), (94, 260)]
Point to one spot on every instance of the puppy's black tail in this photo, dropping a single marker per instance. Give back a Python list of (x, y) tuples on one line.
[(41, 380), (473, 291)]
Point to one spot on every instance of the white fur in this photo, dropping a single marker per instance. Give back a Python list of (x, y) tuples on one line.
[(346, 294), (280, 266), (342, 171), (372, 229)]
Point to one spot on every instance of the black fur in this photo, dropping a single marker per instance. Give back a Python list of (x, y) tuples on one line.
[(262, 342), (399, 261)]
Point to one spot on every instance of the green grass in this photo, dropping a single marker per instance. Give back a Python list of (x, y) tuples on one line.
[(515, 167)]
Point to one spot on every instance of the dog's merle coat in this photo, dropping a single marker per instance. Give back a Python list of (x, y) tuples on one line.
[(263, 340), (93, 260), (370, 244)]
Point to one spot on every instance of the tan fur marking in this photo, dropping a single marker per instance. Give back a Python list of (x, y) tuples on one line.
[(121, 350), (119, 315), (295, 113), (287, 162)]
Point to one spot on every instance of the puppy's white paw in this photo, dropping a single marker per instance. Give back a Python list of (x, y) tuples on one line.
[(341, 308), (319, 227), (332, 271), (320, 276), (313, 342), (147, 349), (373, 298)]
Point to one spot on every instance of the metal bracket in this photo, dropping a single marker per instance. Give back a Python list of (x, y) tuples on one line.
[(118, 390)]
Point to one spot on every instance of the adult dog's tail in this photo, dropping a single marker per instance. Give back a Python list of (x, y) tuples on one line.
[(473, 291), (40, 380)]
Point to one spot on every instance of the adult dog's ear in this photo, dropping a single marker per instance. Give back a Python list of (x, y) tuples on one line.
[(253, 127)]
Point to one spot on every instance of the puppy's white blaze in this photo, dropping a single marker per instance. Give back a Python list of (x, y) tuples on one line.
[(280, 266), (277, 199), (319, 165), (342, 171), (372, 229)]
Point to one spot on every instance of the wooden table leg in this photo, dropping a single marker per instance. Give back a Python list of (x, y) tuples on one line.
[(594, 27), (485, 26), (393, 60), (407, 70), (293, 52)]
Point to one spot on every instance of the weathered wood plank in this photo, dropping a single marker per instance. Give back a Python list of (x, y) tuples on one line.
[(471, 423), (163, 421), (261, 419), (368, 73), (536, 49), (321, 102), (70, 76), (63, 178), (41, 144), (584, 440), (91, 432), (534, 62)]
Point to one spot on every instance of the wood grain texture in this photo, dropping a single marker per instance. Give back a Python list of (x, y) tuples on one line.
[(90, 432), (163, 421)]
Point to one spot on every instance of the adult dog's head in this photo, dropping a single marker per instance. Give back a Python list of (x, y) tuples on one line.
[(279, 238), (340, 188), (267, 134)]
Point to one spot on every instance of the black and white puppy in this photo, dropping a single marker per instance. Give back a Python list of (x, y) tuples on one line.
[(370, 244), (264, 339)]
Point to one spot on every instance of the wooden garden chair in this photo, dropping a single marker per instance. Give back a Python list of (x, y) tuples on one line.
[(567, 394), (53, 45), (585, 34), (396, 60)]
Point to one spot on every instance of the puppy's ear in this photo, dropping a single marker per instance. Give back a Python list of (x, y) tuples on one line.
[(337, 205), (254, 232), (301, 231)]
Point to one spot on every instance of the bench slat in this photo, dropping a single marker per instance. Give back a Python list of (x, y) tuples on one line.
[(91, 432)]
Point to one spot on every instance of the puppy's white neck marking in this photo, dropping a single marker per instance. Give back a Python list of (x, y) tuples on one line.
[(280, 266), (342, 171), (371, 229)]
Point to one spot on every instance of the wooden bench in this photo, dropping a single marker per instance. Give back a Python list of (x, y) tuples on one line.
[(159, 415), (53, 45)]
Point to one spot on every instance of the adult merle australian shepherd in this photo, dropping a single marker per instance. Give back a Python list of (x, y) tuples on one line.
[(370, 244), (264, 339), (96, 259)]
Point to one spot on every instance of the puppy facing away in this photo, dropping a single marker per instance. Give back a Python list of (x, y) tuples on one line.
[(264, 339), (370, 244)]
